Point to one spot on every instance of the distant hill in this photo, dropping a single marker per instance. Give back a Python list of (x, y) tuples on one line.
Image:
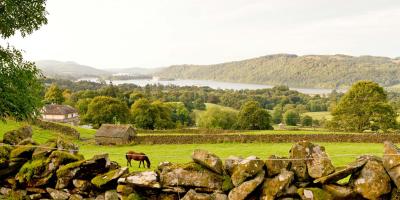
[(70, 70), (311, 71)]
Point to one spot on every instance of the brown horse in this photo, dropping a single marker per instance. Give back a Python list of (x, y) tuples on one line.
[(141, 157)]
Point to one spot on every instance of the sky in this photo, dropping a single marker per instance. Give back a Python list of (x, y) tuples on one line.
[(158, 33)]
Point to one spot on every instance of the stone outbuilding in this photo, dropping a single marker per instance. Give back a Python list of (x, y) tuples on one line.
[(60, 113), (115, 134)]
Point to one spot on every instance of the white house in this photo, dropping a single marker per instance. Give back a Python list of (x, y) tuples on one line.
[(60, 113)]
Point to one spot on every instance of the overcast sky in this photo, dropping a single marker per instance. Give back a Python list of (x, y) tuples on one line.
[(150, 33)]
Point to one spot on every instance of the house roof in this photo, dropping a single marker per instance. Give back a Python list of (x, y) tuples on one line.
[(55, 109), (114, 130)]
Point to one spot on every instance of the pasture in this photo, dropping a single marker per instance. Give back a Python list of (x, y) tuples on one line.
[(340, 153)]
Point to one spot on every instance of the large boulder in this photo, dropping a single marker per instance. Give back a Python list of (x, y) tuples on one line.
[(244, 189), (391, 162), (16, 136), (147, 179), (190, 175), (109, 179), (245, 169), (372, 181), (274, 187), (208, 160), (275, 164)]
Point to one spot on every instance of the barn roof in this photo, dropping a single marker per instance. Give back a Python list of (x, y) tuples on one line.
[(55, 109), (113, 130)]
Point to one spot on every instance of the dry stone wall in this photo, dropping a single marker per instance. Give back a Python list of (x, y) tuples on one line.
[(56, 170)]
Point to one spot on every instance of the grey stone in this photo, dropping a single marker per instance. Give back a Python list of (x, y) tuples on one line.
[(230, 163), (274, 187), (111, 195), (243, 190), (245, 169), (193, 195), (57, 194), (16, 136), (208, 160), (391, 162), (372, 181), (341, 173), (275, 164), (148, 179)]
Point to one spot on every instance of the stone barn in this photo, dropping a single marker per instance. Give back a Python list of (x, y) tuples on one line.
[(113, 134)]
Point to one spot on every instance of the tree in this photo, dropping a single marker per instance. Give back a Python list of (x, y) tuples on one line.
[(364, 107), (103, 109), (215, 117), (253, 117), (277, 114), (82, 105), (20, 81), (291, 117), (306, 120), (180, 114), (155, 115), (54, 95)]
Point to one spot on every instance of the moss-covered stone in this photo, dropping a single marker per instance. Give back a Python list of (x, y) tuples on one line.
[(63, 170), (134, 196), (62, 157), (109, 178), (4, 155), (30, 169), (314, 194), (16, 136), (227, 183), (45, 150), (22, 152)]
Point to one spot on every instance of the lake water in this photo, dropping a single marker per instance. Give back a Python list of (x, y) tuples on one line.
[(215, 85)]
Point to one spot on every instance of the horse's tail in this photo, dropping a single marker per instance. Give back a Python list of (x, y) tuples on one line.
[(147, 161)]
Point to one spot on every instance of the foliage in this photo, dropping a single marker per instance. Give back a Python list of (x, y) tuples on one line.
[(82, 105), (20, 86), (23, 16), (104, 109), (216, 117), (312, 71), (306, 120), (155, 115), (253, 117), (180, 114), (291, 117), (363, 107), (277, 114), (54, 95)]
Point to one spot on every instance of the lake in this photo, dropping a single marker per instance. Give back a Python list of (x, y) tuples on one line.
[(215, 85)]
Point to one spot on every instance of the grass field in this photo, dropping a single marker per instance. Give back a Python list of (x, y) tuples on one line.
[(181, 153), (319, 115)]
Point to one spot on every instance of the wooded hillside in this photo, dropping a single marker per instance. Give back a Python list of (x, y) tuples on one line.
[(313, 71)]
